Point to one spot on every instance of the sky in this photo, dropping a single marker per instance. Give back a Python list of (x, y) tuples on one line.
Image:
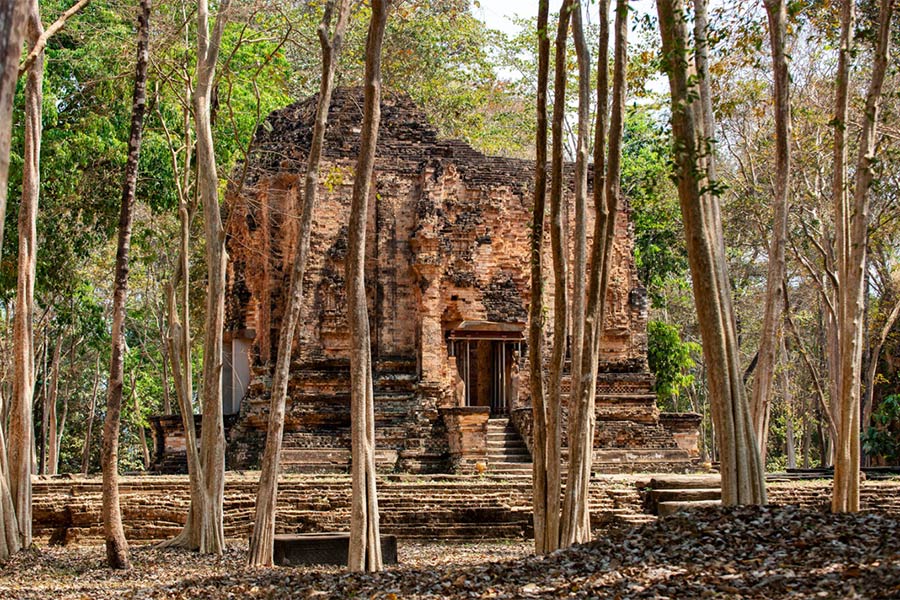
[(497, 14)]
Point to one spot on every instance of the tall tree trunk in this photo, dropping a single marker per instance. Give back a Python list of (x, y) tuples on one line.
[(852, 261), (574, 507), (579, 266), (262, 539), (204, 528), (535, 309), (86, 449), (741, 468), (607, 191), (113, 533), (365, 536), (12, 31), (558, 246), (52, 441), (178, 344), (179, 349), (770, 335), (21, 434)]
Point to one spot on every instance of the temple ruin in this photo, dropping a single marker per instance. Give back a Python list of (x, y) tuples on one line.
[(448, 279)]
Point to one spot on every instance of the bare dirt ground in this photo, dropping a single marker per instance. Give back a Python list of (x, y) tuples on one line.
[(748, 552)]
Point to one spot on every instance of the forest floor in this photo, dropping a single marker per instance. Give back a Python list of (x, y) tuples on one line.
[(745, 552)]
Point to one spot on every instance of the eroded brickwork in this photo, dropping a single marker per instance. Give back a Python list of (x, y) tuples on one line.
[(447, 244)]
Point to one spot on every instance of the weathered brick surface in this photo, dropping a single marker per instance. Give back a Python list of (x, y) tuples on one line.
[(447, 241), (67, 510)]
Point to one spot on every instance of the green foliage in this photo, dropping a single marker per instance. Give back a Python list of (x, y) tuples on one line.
[(659, 248), (670, 359), (882, 439)]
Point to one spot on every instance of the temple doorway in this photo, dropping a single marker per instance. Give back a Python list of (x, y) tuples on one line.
[(487, 356)]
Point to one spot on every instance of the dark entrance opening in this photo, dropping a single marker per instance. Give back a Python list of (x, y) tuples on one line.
[(485, 353)]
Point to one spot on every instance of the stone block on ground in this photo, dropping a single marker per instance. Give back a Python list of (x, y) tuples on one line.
[(293, 550)]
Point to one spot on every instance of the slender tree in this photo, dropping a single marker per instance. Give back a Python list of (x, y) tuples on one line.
[(771, 333), (21, 436), (607, 192), (86, 449), (365, 537), (852, 223), (113, 533), (178, 335), (572, 517), (262, 540), (12, 32), (52, 441), (692, 120), (204, 529), (558, 247), (535, 309)]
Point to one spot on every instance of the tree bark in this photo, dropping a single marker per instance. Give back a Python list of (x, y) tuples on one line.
[(12, 31), (365, 537), (579, 267), (263, 537), (179, 334), (770, 334), (204, 528), (572, 520), (558, 246), (179, 349), (788, 397), (741, 468), (86, 449), (113, 533), (607, 191), (21, 435), (535, 309), (852, 261)]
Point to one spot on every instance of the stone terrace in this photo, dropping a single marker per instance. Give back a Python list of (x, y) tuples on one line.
[(67, 509)]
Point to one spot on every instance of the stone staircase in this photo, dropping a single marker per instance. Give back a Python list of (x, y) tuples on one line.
[(506, 450), (672, 493)]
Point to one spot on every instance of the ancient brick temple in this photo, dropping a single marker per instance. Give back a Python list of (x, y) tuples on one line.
[(448, 278)]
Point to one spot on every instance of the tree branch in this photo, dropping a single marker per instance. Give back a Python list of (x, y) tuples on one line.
[(41, 44)]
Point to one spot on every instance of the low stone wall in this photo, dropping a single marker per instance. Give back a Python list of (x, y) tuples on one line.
[(67, 510)]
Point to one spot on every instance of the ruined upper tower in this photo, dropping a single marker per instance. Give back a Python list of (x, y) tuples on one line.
[(447, 271)]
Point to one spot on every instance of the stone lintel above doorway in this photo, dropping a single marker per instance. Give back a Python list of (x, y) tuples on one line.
[(488, 330)]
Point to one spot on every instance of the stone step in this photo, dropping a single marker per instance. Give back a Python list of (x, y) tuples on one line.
[(658, 497), (502, 435), (681, 482), (510, 457), (668, 508), (523, 467)]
